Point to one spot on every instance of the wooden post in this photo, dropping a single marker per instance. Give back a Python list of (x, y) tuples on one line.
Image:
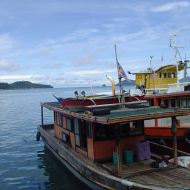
[(155, 103), (174, 129), (175, 148), (42, 116), (119, 158)]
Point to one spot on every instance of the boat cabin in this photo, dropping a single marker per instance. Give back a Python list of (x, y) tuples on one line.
[(158, 79), (170, 100), (91, 138), (98, 133)]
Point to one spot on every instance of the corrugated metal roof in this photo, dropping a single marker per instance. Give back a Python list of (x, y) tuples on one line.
[(120, 115)]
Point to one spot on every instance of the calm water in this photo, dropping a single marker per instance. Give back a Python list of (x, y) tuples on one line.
[(25, 163)]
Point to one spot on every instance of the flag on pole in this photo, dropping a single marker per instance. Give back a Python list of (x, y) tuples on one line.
[(121, 72)]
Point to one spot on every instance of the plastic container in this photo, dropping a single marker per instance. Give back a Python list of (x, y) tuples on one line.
[(143, 150), (128, 157)]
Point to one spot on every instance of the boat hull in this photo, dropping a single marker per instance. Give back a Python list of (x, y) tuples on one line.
[(89, 101), (93, 178)]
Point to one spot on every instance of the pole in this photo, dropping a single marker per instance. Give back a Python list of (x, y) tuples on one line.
[(42, 116), (173, 130), (153, 73), (119, 77)]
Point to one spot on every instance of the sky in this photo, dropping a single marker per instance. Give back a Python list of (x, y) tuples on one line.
[(67, 43)]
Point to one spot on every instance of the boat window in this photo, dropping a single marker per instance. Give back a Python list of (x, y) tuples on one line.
[(136, 128), (80, 129), (159, 102), (173, 103), (151, 102), (76, 126), (103, 132), (188, 103), (173, 75), (69, 124), (65, 138), (165, 75), (121, 130), (83, 133), (183, 103), (169, 75), (166, 103), (60, 119), (76, 130), (160, 75)]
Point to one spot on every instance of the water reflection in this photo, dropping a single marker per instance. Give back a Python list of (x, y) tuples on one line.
[(59, 177)]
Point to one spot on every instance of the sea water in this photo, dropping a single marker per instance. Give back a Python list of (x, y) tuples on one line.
[(24, 162)]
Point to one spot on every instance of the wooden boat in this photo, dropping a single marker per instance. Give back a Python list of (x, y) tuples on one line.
[(159, 130), (159, 81), (97, 100), (87, 141)]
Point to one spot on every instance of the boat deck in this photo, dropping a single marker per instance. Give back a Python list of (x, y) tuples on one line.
[(142, 172), (133, 169), (176, 178)]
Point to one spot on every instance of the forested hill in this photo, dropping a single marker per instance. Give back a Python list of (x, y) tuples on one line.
[(23, 85), (127, 82)]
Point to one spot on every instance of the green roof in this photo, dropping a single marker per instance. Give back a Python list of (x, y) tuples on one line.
[(120, 115)]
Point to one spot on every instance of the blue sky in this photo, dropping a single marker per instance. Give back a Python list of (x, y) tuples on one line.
[(71, 43)]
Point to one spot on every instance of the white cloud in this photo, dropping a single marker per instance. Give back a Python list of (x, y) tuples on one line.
[(90, 72), (4, 65), (18, 77), (171, 6)]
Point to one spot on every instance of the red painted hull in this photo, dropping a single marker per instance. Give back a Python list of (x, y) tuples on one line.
[(97, 100)]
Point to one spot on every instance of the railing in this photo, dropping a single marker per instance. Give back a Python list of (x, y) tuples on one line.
[(164, 150)]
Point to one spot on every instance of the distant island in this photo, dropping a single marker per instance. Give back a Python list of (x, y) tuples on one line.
[(127, 82), (23, 85)]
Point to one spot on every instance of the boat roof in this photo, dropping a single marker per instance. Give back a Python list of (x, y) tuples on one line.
[(165, 67), (118, 115)]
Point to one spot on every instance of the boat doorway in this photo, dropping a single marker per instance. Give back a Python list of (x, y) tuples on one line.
[(80, 129)]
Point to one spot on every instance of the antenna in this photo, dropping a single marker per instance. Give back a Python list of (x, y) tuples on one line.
[(152, 73), (177, 56), (162, 59), (151, 57), (116, 53), (175, 47)]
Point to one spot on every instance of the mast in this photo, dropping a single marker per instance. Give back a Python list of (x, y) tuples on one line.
[(153, 74), (185, 63), (177, 53)]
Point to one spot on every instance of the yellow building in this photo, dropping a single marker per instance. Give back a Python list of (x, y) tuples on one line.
[(160, 78)]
